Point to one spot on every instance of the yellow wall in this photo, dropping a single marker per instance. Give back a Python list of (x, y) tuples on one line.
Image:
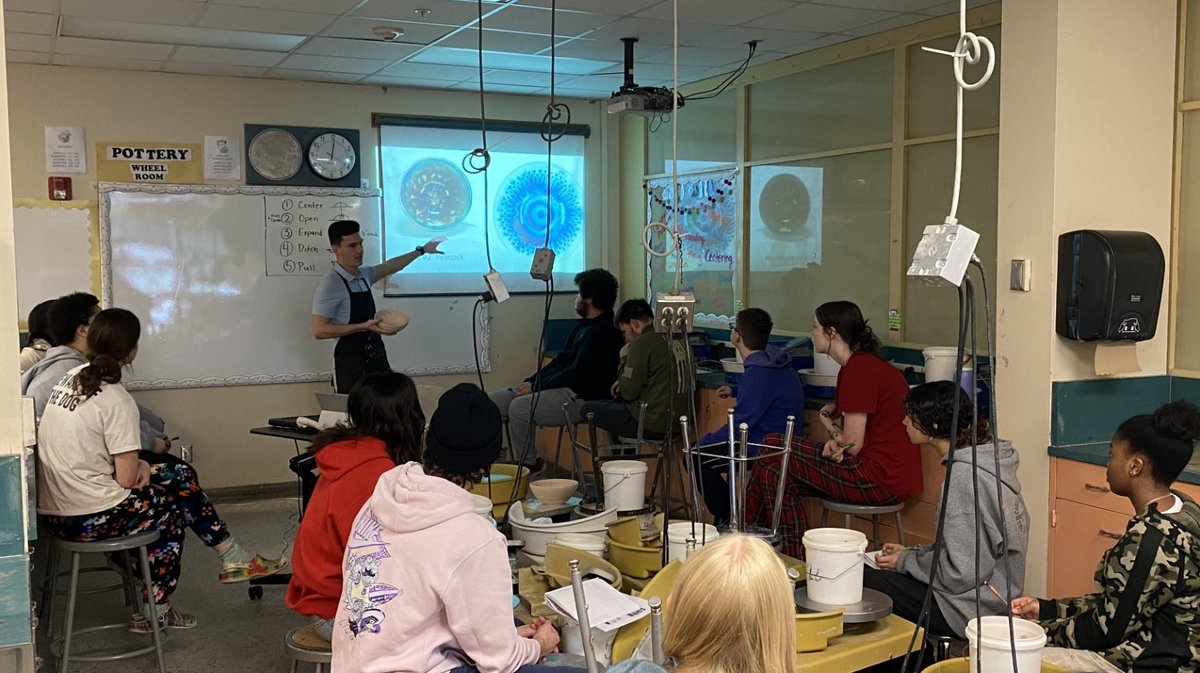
[(1086, 137), (115, 105)]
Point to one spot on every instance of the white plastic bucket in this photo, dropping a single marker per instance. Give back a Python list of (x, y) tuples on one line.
[(680, 531), (825, 365), (940, 363), (602, 641), (588, 542), (995, 647), (835, 565), (624, 484)]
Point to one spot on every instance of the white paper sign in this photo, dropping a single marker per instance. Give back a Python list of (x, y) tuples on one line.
[(222, 158), (65, 149), (607, 608)]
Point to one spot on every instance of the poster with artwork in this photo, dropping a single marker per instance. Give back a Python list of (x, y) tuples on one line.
[(707, 222), (222, 158)]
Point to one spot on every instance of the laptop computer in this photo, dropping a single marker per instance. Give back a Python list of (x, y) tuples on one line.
[(333, 410)]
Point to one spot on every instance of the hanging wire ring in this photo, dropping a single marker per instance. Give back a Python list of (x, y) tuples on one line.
[(675, 237), (970, 49)]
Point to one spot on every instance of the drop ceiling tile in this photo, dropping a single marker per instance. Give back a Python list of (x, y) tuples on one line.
[(820, 18), (452, 73), (318, 6), (242, 57), (264, 20), (43, 6), (180, 12), (23, 42), (886, 24), (512, 88), (26, 57), (716, 11), (661, 75), (29, 22), (216, 69), (352, 48), (537, 20), (408, 82), (110, 62), (737, 37), (445, 12), (652, 32), (619, 7), (134, 51), (595, 92), (517, 77), (604, 83), (693, 56), (599, 50), (414, 33), (891, 5), (499, 40), (337, 64), (313, 76)]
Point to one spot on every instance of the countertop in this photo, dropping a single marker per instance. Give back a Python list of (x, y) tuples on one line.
[(1097, 454)]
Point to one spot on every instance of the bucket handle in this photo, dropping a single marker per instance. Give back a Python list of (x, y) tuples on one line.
[(622, 480), (816, 574)]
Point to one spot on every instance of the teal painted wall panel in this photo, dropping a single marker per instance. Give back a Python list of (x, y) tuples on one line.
[(1185, 389), (12, 523), (14, 601), (1087, 412)]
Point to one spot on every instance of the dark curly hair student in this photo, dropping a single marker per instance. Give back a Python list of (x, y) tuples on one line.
[(1143, 616)]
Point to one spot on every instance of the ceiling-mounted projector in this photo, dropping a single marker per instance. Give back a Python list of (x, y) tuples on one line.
[(634, 99)]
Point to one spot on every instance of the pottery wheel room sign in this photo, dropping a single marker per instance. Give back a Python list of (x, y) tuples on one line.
[(174, 163)]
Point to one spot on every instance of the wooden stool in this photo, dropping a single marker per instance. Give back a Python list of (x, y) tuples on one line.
[(303, 644), (867, 510), (61, 647)]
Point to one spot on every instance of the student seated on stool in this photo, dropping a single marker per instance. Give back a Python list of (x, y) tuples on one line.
[(769, 392), (385, 428), (905, 573), (646, 374), (426, 582), (583, 370), (1144, 615)]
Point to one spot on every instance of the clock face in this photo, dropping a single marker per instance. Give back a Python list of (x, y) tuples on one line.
[(275, 154), (331, 156)]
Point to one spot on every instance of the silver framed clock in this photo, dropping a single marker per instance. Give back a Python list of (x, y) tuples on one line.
[(275, 154), (332, 156)]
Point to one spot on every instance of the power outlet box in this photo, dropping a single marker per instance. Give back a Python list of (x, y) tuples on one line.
[(674, 311), (943, 254), (542, 267), (495, 285)]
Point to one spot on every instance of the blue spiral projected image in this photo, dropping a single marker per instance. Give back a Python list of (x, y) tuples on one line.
[(522, 209)]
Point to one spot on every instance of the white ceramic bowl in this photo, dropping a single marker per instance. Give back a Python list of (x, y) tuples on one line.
[(823, 364), (733, 366), (812, 378), (392, 319), (537, 535)]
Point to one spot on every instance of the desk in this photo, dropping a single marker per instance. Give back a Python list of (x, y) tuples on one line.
[(307, 482), (860, 648)]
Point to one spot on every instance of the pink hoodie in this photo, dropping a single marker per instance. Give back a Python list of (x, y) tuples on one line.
[(425, 584)]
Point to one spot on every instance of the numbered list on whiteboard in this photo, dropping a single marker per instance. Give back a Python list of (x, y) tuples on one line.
[(297, 240)]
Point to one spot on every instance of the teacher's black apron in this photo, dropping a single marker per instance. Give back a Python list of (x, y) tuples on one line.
[(358, 354)]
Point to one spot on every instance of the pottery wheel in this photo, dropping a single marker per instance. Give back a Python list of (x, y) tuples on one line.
[(874, 606)]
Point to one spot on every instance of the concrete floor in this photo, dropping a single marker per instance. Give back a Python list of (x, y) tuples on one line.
[(234, 633)]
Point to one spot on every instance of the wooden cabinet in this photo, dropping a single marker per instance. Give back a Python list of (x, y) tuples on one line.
[(1086, 519)]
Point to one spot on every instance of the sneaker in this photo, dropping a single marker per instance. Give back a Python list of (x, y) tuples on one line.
[(171, 619), (258, 566)]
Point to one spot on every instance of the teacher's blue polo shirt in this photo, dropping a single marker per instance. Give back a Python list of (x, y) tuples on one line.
[(331, 300)]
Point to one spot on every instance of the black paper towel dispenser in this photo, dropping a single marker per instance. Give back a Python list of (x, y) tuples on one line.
[(1109, 285)]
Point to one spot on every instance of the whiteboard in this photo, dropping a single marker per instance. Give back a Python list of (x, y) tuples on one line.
[(224, 302), (56, 246)]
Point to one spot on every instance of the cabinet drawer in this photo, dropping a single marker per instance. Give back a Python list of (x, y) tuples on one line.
[(1081, 534), (1085, 484)]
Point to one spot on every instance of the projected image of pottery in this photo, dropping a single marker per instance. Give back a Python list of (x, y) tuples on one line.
[(785, 206), (523, 210), (436, 195)]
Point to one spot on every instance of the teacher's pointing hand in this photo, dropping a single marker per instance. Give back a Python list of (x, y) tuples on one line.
[(431, 248)]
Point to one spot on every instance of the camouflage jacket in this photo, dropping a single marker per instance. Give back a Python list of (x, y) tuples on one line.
[(1146, 616)]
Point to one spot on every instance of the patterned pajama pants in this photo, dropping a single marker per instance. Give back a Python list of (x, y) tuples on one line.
[(809, 474), (171, 503)]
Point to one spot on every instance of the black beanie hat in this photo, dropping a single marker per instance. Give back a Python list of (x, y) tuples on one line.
[(464, 433)]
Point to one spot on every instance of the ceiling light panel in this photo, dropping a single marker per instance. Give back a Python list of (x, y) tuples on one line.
[(109, 62), (520, 43), (451, 73), (507, 61), (29, 22), (333, 46), (264, 20), (535, 20), (176, 35), (216, 69), (128, 50), (181, 12)]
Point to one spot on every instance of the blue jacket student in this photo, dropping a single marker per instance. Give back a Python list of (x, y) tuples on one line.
[(769, 392)]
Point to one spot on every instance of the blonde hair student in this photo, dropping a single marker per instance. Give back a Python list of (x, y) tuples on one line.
[(730, 611)]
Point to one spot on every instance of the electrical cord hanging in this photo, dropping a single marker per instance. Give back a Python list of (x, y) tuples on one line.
[(969, 49), (475, 326), (720, 88), (478, 160)]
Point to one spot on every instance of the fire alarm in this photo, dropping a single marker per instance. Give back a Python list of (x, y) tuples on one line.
[(59, 188)]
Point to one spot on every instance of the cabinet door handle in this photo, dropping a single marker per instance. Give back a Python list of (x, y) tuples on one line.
[(1109, 534), (1094, 487)]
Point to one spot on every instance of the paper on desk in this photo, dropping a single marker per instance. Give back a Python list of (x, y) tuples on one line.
[(608, 609)]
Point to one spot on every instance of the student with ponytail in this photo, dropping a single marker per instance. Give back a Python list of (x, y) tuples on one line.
[(868, 459), (1145, 614), (93, 486)]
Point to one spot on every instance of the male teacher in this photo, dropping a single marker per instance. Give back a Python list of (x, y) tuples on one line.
[(344, 309)]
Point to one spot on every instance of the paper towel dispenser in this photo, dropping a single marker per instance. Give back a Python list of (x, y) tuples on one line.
[(1109, 285)]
